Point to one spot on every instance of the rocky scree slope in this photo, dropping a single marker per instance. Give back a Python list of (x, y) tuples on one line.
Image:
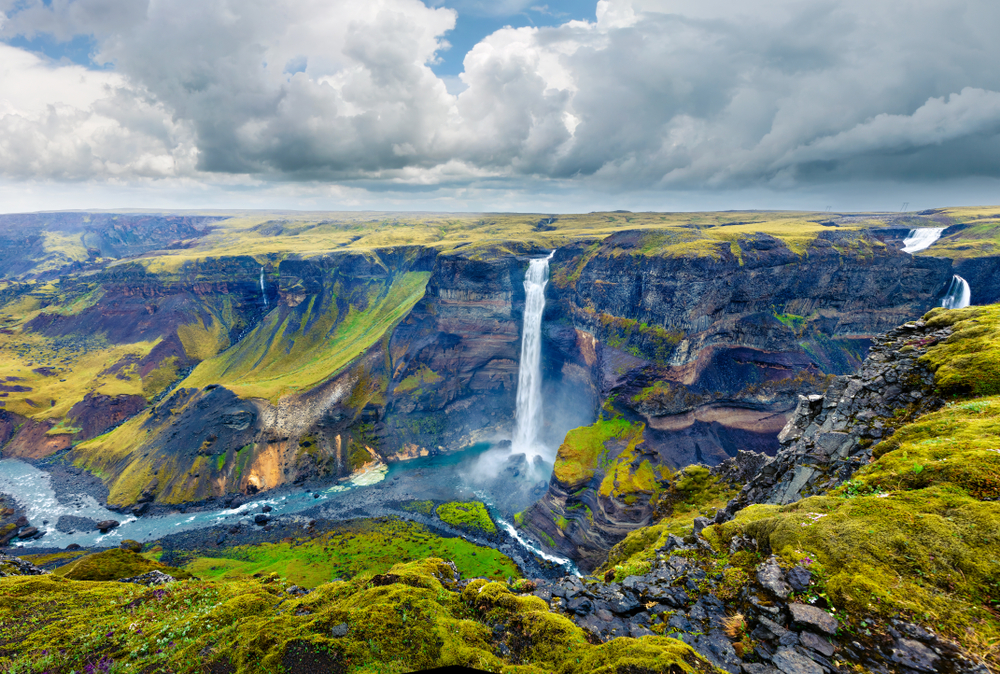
[(831, 435)]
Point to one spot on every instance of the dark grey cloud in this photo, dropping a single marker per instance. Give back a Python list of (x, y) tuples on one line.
[(653, 95)]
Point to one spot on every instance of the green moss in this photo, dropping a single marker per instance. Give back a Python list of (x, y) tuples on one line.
[(114, 564), (425, 507), (472, 515), (362, 546), (792, 322), (911, 533), (733, 580), (639, 339), (422, 377), (968, 362), (694, 492), (404, 619), (580, 452)]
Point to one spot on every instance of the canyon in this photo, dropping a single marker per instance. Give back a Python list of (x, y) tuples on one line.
[(184, 358)]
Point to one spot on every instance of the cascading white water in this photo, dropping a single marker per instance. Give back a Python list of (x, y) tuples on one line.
[(529, 379), (263, 292), (958, 294), (919, 239)]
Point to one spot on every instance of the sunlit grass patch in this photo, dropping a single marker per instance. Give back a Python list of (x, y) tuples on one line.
[(471, 515), (362, 546), (296, 350)]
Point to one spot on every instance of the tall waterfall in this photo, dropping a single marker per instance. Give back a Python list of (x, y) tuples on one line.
[(263, 292), (918, 239), (958, 294), (529, 378)]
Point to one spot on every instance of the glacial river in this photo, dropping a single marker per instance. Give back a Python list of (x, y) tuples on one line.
[(443, 477)]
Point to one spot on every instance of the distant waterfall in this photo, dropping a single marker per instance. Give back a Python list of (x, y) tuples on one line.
[(529, 378), (263, 292), (958, 294), (918, 239)]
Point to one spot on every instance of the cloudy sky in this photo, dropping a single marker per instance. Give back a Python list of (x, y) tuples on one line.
[(566, 106)]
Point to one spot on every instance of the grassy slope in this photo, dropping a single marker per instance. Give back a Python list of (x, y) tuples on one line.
[(369, 545), (916, 531), (280, 357), (71, 367)]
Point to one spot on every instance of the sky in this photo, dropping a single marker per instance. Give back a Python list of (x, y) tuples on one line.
[(502, 105)]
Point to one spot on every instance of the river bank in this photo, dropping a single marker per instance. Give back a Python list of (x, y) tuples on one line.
[(65, 505)]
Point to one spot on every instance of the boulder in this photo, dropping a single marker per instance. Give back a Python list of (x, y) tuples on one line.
[(790, 661), (799, 578), (810, 616), (27, 532), (816, 643), (770, 575), (149, 579), (106, 526), (260, 519), (129, 544), (915, 655)]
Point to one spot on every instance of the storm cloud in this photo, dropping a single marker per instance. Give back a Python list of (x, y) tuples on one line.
[(654, 95)]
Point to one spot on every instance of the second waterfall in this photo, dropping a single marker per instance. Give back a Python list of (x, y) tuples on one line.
[(529, 381)]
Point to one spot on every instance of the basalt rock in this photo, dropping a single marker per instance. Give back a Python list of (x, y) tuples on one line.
[(742, 634), (831, 436), (15, 566)]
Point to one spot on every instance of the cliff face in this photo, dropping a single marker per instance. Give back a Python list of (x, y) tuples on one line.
[(456, 358), (726, 328), (294, 397), (708, 354), (831, 436)]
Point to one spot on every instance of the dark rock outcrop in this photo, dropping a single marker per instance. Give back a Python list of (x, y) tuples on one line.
[(742, 634), (15, 566), (830, 436)]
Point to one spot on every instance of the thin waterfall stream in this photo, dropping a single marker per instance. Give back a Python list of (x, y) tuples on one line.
[(959, 294)]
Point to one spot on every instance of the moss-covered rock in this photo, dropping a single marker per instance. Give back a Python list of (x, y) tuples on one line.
[(115, 564), (472, 515), (409, 618)]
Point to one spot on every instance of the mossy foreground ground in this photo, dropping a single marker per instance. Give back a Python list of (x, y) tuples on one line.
[(413, 617)]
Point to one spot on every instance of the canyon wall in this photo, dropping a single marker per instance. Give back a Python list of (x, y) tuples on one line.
[(705, 353)]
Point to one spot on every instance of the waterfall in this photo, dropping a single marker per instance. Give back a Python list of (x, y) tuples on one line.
[(958, 294), (918, 239), (529, 378), (263, 292)]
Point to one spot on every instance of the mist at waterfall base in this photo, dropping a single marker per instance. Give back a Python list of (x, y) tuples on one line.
[(518, 471)]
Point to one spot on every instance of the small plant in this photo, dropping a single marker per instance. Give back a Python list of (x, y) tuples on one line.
[(735, 626)]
